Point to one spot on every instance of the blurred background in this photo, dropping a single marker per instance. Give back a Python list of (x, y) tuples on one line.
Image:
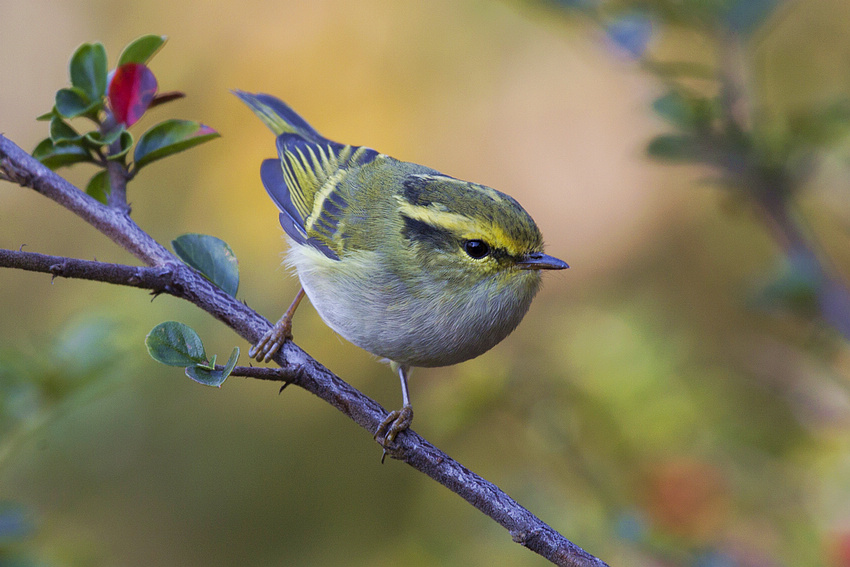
[(679, 397)]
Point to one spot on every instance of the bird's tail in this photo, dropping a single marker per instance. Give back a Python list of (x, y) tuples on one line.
[(277, 115)]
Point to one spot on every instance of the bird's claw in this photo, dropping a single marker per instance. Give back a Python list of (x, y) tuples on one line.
[(395, 422), (271, 342)]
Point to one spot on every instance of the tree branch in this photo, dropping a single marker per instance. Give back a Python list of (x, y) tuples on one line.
[(772, 191), (155, 279), (167, 274)]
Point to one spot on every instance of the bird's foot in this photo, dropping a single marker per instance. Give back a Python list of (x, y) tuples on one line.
[(271, 342), (395, 422)]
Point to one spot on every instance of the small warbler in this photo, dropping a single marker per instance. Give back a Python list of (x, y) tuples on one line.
[(405, 262)]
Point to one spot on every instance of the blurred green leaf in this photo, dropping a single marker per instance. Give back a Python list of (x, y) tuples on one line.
[(141, 50), (175, 344), (99, 187), (675, 107), (676, 147), (213, 377), (746, 16), (89, 70), (55, 156), (687, 111), (823, 125), (47, 115), (73, 102), (212, 257), (796, 288), (170, 137), (126, 142), (96, 138), (61, 131)]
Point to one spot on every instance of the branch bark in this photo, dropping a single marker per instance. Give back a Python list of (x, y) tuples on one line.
[(165, 273)]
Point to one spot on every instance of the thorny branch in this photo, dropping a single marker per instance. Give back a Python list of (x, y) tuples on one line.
[(165, 273)]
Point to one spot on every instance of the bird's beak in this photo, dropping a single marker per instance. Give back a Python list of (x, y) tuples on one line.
[(540, 261)]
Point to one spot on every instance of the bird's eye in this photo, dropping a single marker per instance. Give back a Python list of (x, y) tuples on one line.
[(476, 249)]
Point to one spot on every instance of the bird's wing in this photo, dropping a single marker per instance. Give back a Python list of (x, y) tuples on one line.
[(307, 184)]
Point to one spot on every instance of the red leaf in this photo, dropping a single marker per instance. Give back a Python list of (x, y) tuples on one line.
[(131, 90)]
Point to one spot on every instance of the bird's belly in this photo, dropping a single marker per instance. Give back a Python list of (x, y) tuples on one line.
[(387, 320)]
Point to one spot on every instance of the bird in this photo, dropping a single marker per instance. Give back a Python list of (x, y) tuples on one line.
[(414, 266)]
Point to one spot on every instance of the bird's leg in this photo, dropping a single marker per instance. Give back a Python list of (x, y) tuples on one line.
[(397, 420), (271, 342)]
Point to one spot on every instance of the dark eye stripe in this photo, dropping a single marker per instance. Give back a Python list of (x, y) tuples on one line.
[(444, 240), (427, 234)]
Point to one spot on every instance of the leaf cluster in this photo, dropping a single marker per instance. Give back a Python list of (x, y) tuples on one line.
[(713, 105), (104, 104), (177, 344)]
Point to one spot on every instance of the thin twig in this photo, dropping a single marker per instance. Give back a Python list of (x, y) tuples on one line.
[(525, 528)]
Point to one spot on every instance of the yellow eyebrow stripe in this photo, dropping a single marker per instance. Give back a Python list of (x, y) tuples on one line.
[(464, 227)]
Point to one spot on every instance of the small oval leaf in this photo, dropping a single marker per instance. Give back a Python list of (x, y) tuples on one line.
[(99, 187), (88, 70), (72, 102), (175, 344), (213, 377), (212, 257), (677, 147), (96, 138), (131, 90), (125, 143), (55, 156), (141, 50), (676, 108), (170, 137), (61, 131)]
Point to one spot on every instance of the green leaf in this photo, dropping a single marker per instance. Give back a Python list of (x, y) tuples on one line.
[(61, 131), (47, 115), (797, 286), (89, 71), (170, 137), (73, 102), (746, 16), (821, 125), (685, 110), (96, 138), (99, 186), (681, 69), (676, 108), (212, 377), (677, 147), (212, 257), (175, 344), (55, 156), (126, 142), (141, 50)]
